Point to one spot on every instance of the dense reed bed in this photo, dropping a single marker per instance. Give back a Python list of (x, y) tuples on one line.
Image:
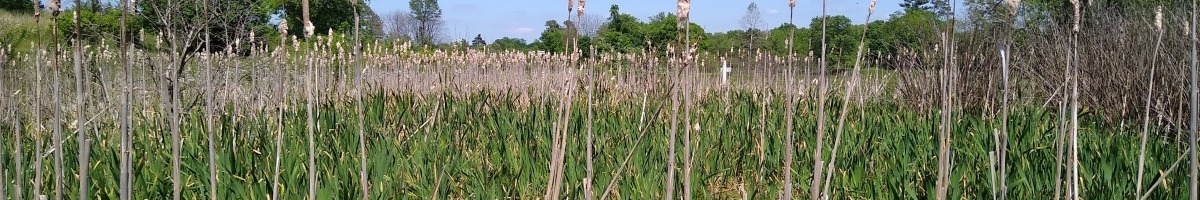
[(474, 124)]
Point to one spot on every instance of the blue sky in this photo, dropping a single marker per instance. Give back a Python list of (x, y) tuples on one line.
[(526, 18)]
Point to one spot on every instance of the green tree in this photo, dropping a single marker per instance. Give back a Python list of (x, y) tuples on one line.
[(551, 39), (19, 6), (326, 14), (841, 39), (777, 41), (478, 41), (429, 19), (622, 33), (661, 31), (508, 43)]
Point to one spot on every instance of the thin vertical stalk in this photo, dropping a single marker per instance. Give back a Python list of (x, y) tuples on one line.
[(37, 104), (689, 99), (7, 107), (1074, 76), (789, 147), (1149, 99), (818, 159), (126, 122), (80, 105), (208, 107), (37, 117), (56, 123), (850, 88), (18, 154), (312, 148), (1194, 108), (1059, 147), (587, 184), (281, 90), (1002, 143), (362, 141)]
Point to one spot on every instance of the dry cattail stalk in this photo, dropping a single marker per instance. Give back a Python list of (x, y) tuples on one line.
[(792, 3)]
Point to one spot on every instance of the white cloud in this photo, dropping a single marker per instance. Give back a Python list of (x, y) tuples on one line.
[(522, 30)]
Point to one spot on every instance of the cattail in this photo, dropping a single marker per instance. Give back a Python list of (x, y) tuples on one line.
[(685, 6), (570, 6), (283, 28), (1158, 18), (582, 4), (1076, 4), (1013, 5), (36, 12), (872, 10), (329, 39), (55, 7), (309, 29), (792, 3)]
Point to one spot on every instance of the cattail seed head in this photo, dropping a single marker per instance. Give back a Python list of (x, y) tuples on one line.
[(283, 28), (685, 6), (1186, 29), (36, 12), (309, 29), (1013, 5), (872, 10), (1077, 15), (55, 7), (1158, 18), (570, 6), (582, 4), (792, 3)]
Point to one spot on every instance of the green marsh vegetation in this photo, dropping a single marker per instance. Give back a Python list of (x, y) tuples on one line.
[(342, 116)]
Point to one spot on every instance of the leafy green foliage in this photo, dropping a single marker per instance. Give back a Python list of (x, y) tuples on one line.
[(429, 18), (19, 6), (485, 144), (508, 43), (326, 14), (622, 33)]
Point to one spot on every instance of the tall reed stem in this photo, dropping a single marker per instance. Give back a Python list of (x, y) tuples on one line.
[(850, 88), (125, 184), (789, 146), (80, 106), (818, 159), (1149, 99), (209, 109)]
